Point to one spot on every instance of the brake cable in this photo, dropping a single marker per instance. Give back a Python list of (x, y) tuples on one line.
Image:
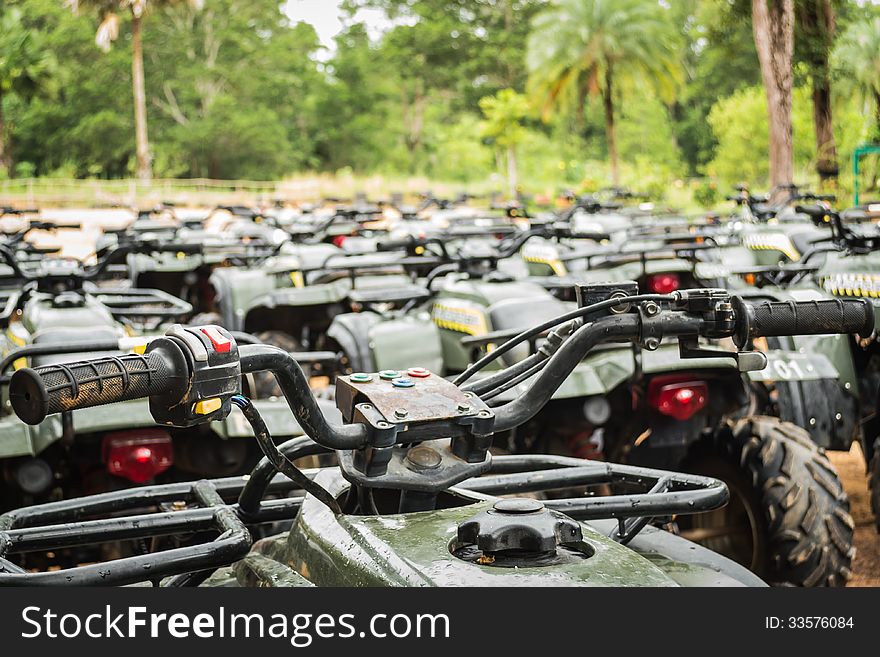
[(537, 330), (283, 464)]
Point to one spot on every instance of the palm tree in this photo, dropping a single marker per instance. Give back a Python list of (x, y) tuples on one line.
[(581, 48), (108, 32), (24, 66), (857, 56)]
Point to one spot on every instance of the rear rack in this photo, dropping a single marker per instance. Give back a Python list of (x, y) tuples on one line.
[(141, 303), (185, 508)]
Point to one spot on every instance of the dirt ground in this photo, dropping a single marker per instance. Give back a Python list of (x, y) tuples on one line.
[(851, 466)]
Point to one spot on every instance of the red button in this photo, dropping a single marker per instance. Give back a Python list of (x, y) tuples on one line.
[(221, 343)]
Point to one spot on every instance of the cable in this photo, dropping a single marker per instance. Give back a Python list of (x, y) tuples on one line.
[(537, 367), (279, 460), (536, 330), (554, 340)]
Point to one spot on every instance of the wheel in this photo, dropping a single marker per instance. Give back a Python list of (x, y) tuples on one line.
[(874, 482), (788, 517), (264, 382)]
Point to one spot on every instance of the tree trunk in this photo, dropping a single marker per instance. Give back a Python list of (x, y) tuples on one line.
[(877, 110), (826, 148), (5, 158), (610, 128), (773, 27), (512, 175), (142, 144), (821, 19)]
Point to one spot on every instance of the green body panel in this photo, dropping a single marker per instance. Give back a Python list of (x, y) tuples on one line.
[(412, 341), (39, 313), (414, 550), (276, 413), (20, 439)]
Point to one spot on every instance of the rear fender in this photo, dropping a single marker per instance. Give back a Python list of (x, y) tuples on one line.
[(351, 331)]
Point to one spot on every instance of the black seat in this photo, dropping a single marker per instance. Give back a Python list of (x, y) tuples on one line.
[(395, 294)]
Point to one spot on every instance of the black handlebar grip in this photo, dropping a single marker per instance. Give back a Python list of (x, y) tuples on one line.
[(36, 393), (779, 318), (397, 245)]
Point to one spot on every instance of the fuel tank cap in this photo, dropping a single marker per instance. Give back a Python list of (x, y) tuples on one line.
[(522, 525)]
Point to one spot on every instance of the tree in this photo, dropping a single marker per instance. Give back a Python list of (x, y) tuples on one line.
[(582, 48), (773, 28), (504, 115), (24, 67), (816, 27), (108, 32), (857, 57)]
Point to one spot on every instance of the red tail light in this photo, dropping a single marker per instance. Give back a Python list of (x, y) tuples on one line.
[(138, 456), (339, 240), (663, 283), (678, 398)]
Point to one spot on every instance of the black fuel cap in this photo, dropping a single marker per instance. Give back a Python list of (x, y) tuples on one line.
[(520, 524)]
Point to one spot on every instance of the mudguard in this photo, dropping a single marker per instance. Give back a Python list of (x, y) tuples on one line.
[(351, 331)]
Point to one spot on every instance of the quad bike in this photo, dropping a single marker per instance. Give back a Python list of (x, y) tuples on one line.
[(842, 264), (417, 498), (659, 407), (54, 312)]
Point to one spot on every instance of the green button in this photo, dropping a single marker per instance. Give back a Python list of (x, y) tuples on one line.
[(361, 377), (388, 375)]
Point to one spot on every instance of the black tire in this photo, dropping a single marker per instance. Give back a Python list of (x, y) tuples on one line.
[(799, 530), (874, 482), (264, 382)]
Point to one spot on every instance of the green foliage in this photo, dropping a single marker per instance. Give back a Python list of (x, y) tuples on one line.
[(234, 89), (504, 115), (706, 194), (739, 123), (575, 44), (857, 61)]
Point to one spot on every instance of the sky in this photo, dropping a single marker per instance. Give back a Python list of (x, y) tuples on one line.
[(325, 16)]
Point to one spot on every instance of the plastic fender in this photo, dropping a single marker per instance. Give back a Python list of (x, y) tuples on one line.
[(407, 342), (239, 291), (598, 374), (19, 439), (351, 331)]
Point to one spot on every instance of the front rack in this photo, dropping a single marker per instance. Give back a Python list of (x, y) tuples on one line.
[(203, 506)]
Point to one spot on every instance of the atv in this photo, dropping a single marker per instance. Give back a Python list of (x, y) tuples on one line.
[(54, 311), (417, 498)]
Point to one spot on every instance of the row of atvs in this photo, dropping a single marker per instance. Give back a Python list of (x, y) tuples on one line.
[(442, 394)]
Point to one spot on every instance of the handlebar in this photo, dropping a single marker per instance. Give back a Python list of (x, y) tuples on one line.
[(174, 378)]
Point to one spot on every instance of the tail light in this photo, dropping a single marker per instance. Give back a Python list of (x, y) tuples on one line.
[(138, 456), (339, 240), (676, 397), (663, 283)]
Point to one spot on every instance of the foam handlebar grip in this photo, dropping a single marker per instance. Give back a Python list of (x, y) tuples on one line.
[(36, 393)]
